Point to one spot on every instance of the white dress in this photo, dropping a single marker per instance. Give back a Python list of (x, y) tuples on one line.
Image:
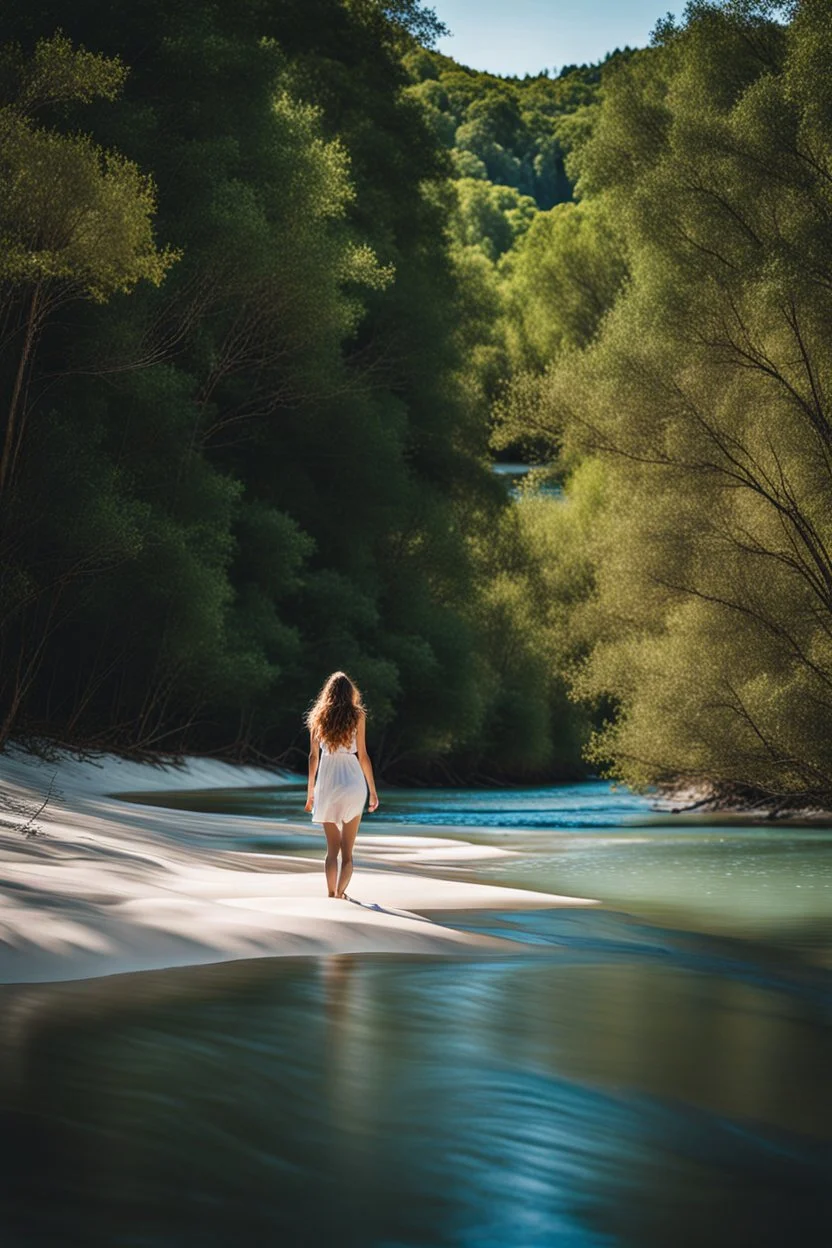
[(340, 787)]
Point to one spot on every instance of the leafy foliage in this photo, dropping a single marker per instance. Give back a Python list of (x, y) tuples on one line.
[(272, 462), (702, 401)]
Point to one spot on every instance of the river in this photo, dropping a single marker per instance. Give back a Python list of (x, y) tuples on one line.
[(652, 1072)]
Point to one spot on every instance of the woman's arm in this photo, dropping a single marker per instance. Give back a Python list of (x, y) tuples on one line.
[(314, 757), (364, 760)]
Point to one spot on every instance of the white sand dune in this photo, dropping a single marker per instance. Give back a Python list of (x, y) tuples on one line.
[(109, 886)]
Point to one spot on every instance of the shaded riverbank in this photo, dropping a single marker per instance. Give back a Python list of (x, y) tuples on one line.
[(752, 807)]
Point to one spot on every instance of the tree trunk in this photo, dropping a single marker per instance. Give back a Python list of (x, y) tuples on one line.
[(11, 439)]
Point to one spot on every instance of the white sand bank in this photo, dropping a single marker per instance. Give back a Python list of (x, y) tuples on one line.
[(110, 886)]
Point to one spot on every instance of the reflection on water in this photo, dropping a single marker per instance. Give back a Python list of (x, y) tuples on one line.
[(646, 1074), (399, 1101)]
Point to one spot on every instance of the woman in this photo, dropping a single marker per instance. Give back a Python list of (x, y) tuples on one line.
[(338, 759)]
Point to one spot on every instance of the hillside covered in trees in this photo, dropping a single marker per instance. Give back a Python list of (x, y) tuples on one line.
[(278, 283)]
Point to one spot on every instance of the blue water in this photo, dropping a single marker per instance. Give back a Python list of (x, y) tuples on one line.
[(590, 804), (649, 1073)]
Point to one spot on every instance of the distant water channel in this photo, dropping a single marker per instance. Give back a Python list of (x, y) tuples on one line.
[(650, 1073)]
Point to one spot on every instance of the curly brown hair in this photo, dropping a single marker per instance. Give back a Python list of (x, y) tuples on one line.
[(334, 715)]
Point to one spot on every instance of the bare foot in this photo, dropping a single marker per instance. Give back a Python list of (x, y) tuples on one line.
[(342, 897), (330, 894)]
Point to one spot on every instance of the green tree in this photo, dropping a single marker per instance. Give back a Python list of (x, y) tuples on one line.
[(490, 217), (562, 278), (75, 221), (703, 401)]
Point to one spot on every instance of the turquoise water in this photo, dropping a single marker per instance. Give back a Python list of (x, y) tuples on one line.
[(650, 1072)]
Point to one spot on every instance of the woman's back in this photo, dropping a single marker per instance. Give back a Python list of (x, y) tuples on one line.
[(352, 748)]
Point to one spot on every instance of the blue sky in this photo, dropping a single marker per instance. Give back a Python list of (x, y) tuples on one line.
[(525, 36)]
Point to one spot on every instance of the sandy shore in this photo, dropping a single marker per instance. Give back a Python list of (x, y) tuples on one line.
[(108, 886)]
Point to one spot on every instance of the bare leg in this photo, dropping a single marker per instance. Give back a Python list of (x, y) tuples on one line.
[(333, 844), (348, 835)]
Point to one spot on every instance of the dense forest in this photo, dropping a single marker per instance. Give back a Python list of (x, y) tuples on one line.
[(278, 284)]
